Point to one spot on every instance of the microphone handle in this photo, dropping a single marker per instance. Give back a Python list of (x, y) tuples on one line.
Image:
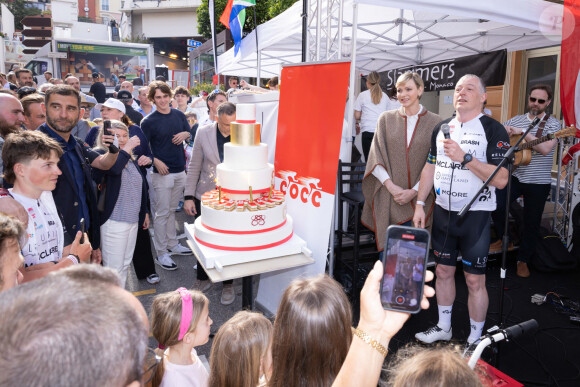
[(535, 122)]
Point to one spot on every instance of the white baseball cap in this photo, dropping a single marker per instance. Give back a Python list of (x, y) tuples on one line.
[(115, 104)]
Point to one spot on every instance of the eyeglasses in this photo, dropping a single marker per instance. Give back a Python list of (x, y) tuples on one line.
[(152, 360), (540, 101)]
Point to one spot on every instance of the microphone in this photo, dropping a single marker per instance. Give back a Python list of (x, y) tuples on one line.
[(520, 329), (512, 332), (445, 130)]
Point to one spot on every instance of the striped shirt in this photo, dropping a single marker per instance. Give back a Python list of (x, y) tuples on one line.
[(129, 200), (539, 170)]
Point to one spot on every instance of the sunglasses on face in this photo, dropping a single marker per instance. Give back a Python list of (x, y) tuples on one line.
[(540, 101)]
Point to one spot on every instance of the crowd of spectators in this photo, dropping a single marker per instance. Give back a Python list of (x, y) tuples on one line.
[(85, 175)]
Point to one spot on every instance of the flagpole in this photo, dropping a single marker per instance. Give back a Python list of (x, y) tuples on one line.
[(211, 7), (258, 56)]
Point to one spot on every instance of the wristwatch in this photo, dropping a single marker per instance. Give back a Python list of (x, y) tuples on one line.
[(466, 159)]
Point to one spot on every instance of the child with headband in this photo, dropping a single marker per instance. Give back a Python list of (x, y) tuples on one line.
[(241, 355), (179, 322)]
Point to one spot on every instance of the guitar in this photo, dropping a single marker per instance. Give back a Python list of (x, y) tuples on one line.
[(524, 154)]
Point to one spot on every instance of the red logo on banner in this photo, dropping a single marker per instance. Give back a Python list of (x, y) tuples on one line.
[(304, 188)]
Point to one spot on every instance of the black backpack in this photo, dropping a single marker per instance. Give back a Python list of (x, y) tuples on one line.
[(551, 254), (576, 234)]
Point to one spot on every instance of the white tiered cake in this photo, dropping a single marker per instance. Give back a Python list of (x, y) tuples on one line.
[(244, 213)]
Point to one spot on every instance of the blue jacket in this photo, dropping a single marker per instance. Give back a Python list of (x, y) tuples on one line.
[(112, 183)]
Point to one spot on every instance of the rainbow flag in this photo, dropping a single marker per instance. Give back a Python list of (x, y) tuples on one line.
[(234, 17)]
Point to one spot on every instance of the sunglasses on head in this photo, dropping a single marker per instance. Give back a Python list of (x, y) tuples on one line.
[(540, 101)]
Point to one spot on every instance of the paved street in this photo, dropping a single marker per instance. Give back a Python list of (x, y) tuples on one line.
[(185, 276)]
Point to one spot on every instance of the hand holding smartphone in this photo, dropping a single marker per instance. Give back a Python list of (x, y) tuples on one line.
[(107, 130), (404, 262), (83, 227)]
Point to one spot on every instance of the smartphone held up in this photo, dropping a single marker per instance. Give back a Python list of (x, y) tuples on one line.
[(404, 261)]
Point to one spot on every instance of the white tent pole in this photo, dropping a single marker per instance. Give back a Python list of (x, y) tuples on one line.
[(259, 67), (352, 64), (340, 16), (328, 28), (318, 22)]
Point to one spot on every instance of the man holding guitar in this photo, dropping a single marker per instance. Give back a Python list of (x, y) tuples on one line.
[(533, 180)]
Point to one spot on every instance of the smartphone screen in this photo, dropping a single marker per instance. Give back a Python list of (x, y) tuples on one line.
[(107, 127), (404, 261)]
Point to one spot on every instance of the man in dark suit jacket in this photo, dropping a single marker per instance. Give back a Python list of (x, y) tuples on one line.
[(75, 195), (208, 152)]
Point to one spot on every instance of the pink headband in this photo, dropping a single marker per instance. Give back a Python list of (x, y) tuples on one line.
[(186, 311)]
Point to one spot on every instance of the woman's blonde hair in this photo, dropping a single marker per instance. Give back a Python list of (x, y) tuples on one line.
[(312, 333), (114, 125), (409, 75), (374, 80), (415, 366), (166, 322), (238, 349)]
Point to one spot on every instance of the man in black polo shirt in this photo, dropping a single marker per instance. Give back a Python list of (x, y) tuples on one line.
[(166, 129), (98, 90), (126, 97), (74, 195), (122, 78)]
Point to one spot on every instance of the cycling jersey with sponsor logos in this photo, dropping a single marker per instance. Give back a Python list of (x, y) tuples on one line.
[(487, 141)]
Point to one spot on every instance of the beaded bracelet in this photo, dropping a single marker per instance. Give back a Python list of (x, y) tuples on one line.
[(74, 259), (370, 341)]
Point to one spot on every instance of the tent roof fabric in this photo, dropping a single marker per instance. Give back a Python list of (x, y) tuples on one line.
[(390, 37)]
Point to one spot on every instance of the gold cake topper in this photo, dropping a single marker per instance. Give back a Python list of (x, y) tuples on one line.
[(245, 134)]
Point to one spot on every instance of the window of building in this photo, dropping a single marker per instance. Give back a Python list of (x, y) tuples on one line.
[(104, 5), (543, 66)]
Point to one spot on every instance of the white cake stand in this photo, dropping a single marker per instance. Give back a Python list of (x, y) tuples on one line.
[(247, 264)]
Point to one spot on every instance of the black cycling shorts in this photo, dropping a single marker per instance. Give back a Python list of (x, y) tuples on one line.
[(469, 235)]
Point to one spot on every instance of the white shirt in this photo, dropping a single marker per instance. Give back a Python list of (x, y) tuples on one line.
[(370, 111), (200, 108), (381, 173), (485, 139), (45, 234), (177, 375), (207, 121)]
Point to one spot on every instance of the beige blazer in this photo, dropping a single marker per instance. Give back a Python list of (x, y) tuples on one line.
[(201, 174)]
